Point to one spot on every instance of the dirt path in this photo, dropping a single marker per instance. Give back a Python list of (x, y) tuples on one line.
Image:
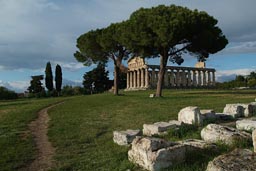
[(45, 150)]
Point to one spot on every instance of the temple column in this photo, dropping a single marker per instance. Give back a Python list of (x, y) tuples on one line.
[(156, 78), (204, 78), (134, 79), (199, 79), (213, 78), (181, 78), (189, 78), (166, 79), (178, 78), (153, 77), (142, 76), (146, 78), (138, 78), (184, 78), (194, 78), (128, 80), (131, 79), (172, 78), (209, 78)]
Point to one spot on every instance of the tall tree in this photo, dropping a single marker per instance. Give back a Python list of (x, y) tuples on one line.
[(48, 77), (252, 75), (103, 45), (168, 32), (36, 84), (58, 78), (96, 80), (251, 78)]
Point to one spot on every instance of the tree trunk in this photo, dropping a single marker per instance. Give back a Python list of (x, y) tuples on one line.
[(116, 80), (163, 63)]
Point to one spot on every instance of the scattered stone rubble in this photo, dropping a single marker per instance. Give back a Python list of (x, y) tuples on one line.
[(248, 110), (155, 154), (195, 145), (235, 110), (152, 95), (224, 116), (190, 115), (237, 160), (240, 110), (217, 133), (125, 137), (253, 107), (208, 114), (246, 124), (254, 140), (159, 128)]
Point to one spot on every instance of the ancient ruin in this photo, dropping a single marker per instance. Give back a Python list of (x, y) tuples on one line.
[(156, 153), (141, 76)]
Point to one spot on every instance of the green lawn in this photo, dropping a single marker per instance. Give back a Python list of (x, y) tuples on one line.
[(81, 128), (16, 143)]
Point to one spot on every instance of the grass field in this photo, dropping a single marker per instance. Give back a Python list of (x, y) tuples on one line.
[(81, 128), (16, 144)]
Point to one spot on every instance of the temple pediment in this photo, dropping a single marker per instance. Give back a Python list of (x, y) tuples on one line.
[(136, 63)]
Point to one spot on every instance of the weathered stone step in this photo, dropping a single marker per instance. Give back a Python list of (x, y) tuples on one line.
[(125, 137), (159, 128), (237, 160), (217, 133)]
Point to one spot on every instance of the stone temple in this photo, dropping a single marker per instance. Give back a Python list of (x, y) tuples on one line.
[(141, 76)]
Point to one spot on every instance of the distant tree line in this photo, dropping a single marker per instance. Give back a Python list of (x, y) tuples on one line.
[(248, 81), (6, 94), (94, 81), (36, 88)]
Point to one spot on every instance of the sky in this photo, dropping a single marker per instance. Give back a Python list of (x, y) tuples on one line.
[(33, 32)]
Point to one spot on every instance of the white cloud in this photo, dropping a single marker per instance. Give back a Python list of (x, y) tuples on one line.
[(73, 66), (69, 66), (71, 82), (17, 86), (2, 67), (227, 75), (242, 47), (34, 32)]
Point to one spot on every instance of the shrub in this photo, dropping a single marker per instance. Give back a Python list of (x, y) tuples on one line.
[(6, 94)]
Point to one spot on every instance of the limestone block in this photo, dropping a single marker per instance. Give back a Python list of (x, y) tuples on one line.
[(195, 145), (152, 95), (214, 133), (253, 108), (246, 124), (224, 116), (208, 114), (159, 127), (236, 110), (248, 110), (237, 160), (175, 122), (254, 140), (125, 137), (190, 115), (156, 154)]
